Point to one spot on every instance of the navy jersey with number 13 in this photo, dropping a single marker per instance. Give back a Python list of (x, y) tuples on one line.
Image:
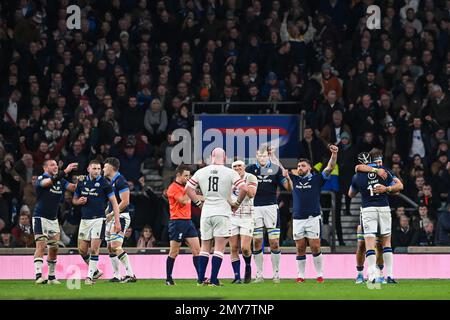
[(365, 184)]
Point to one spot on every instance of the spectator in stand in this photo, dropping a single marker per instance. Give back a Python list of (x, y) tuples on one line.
[(155, 122), (404, 235), (332, 132), (129, 241), (7, 240), (146, 239), (22, 232), (310, 147), (427, 234)]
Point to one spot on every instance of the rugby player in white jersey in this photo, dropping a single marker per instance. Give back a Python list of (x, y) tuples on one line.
[(216, 182), (242, 225)]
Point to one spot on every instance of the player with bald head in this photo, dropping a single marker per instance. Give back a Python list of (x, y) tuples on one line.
[(215, 182)]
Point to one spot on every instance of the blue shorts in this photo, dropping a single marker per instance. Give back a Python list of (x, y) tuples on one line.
[(181, 229)]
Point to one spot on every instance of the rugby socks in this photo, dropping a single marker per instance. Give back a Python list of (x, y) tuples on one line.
[(86, 258), (203, 259), (248, 260), (236, 264), (275, 258), (258, 256), (216, 262), (371, 262), (115, 265), (92, 266), (51, 269), (388, 257), (38, 267), (195, 261), (301, 264), (169, 267), (317, 258), (123, 257), (360, 269)]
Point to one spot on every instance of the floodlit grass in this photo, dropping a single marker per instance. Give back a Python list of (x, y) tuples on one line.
[(187, 289)]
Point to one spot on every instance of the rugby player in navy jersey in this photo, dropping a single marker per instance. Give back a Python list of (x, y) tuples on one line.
[(376, 216), (113, 239), (306, 189), (93, 194), (50, 189), (370, 162), (270, 177)]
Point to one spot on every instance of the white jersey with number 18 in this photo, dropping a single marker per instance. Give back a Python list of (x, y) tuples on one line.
[(216, 183)]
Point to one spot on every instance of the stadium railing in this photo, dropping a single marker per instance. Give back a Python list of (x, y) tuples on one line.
[(285, 107)]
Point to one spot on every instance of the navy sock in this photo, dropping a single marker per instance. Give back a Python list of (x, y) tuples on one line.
[(358, 268), (169, 266), (202, 263), (381, 266), (248, 260), (216, 262), (195, 262), (236, 268)]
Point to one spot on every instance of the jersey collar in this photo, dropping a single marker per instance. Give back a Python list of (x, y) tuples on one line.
[(268, 164), (45, 174), (88, 178), (116, 176)]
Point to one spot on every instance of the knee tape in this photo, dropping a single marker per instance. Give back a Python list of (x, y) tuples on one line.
[(273, 233), (258, 233)]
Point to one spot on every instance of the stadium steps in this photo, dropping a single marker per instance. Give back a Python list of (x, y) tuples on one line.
[(349, 223)]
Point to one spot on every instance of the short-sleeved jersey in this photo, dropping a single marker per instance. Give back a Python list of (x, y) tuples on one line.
[(98, 192), (178, 211), (216, 183), (365, 183), (49, 198), (246, 209), (269, 178), (119, 184), (306, 194)]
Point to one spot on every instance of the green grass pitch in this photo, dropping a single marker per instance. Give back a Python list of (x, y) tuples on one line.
[(187, 289)]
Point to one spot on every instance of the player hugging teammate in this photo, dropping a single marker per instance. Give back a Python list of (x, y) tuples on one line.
[(374, 182)]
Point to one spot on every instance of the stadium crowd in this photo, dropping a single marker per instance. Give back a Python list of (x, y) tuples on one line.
[(122, 83)]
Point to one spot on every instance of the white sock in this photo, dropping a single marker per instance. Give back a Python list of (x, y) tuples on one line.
[(92, 266), (301, 264), (38, 265), (388, 262), (275, 257), (318, 264), (123, 257), (372, 268), (51, 267), (115, 265), (259, 261)]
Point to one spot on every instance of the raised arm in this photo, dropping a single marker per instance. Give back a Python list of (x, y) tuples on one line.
[(332, 162), (288, 185)]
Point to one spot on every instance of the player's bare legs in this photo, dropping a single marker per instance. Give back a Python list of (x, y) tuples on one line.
[(41, 243), (314, 244), (275, 253), (52, 245), (301, 259), (91, 259), (388, 257)]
